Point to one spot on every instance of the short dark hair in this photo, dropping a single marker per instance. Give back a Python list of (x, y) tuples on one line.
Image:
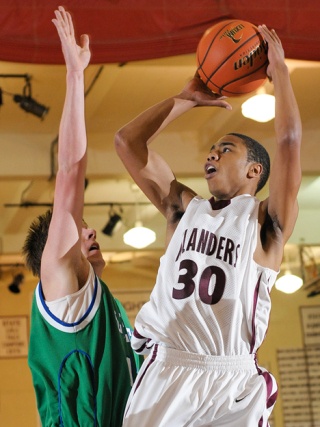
[(35, 242), (258, 154)]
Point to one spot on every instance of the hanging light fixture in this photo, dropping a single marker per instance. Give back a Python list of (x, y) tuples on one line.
[(139, 237), (288, 283), (113, 223), (25, 101), (28, 104), (14, 286), (260, 107)]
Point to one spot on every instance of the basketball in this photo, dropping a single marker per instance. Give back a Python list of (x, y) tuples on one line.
[(232, 58)]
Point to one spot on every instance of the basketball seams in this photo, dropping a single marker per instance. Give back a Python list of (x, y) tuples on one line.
[(209, 47), (240, 78), (233, 52)]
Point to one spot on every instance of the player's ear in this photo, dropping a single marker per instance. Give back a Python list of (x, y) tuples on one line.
[(255, 170)]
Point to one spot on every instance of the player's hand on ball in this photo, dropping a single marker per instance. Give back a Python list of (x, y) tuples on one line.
[(275, 50), (195, 90)]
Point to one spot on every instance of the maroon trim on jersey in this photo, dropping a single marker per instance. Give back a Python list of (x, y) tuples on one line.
[(140, 377), (140, 337), (152, 359), (271, 398), (220, 204), (255, 300), (137, 335)]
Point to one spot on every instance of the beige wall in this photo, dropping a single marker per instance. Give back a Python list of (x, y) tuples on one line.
[(17, 402)]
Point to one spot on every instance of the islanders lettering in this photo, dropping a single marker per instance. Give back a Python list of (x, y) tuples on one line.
[(208, 243)]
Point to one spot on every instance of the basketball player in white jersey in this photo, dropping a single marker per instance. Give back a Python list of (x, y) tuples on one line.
[(208, 313)]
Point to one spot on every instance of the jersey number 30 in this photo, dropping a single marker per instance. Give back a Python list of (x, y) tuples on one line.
[(186, 279)]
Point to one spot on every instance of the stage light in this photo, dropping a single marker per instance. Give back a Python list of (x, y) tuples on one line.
[(14, 287), (112, 225), (29, 105)]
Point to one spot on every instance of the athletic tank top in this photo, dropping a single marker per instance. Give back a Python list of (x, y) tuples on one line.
[(82, 370), (210, 296)]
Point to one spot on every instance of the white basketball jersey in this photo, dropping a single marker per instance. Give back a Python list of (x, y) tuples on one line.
[(210, 296)]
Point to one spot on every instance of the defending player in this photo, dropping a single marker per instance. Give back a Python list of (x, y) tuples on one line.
[(80, 355), (209, 310)]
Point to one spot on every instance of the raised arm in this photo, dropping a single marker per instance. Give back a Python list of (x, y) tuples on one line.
[(148, 169), (63, 266), (285, 176)]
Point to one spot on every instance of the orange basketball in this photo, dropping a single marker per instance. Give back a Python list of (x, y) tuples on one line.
[(232, 58)]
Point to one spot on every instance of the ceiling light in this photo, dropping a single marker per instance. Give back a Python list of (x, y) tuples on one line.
[(260, 108), (288, 283), (139, 237)]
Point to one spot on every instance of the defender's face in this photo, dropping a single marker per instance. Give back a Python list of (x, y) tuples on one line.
[(89, 246), (227, 167)]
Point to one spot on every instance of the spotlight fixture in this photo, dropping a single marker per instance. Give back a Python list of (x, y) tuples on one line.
[(14, 287), (313, 293), (26, 102), (29, 105), (113, 223)]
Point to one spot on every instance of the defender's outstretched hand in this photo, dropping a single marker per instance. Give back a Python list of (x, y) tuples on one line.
[(76, 56)]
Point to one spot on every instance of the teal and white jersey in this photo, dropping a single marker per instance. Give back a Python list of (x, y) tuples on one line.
[(80, 357)]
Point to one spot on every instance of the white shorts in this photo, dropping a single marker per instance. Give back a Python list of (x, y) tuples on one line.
[(178, 389)]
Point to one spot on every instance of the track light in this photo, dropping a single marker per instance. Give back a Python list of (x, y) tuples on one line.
[(26, 102), (113, 224), (29, 105), (14, 287), (313, 293)]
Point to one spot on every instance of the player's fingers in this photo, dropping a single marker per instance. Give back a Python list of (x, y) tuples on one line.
[(266, 33), (59, 28), (65, 20), (223, 104), (70, 23), (60, 23), (269, 35), (276, 37), (85, 41)]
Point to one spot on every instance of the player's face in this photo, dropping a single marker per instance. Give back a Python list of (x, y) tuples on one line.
[(89, 246), (227, 167)]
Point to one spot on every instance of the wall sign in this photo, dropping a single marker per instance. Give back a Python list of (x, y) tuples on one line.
[(310, 318), (13, 336)]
